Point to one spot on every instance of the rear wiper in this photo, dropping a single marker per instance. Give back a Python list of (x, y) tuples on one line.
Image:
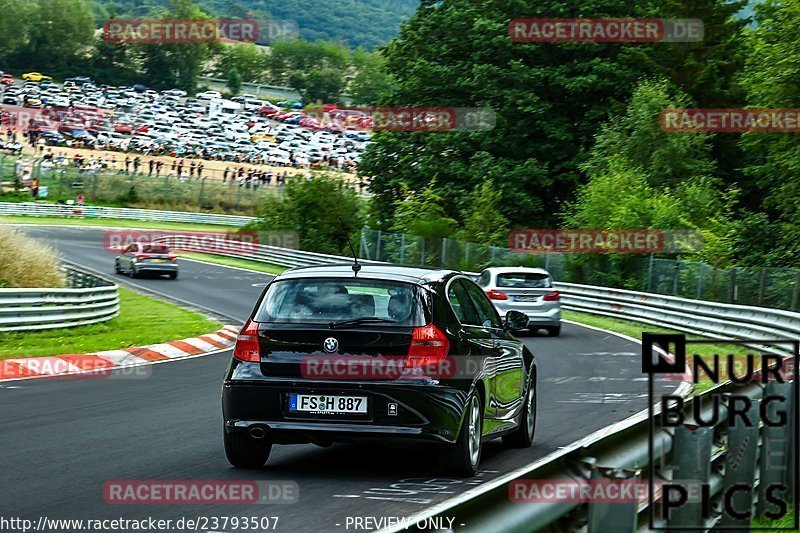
[(361, 320)]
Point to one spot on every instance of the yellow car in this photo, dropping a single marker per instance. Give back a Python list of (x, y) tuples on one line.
[(262, 137), (35, 76)]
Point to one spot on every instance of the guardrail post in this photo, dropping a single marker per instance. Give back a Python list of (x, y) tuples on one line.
[(650, 273), (613, 516), (675, 277), (732, 287), (691, 457), (740, 467), (700, 280), (402, 248), (775, 446), (762, 285), (378, 246), (444, 251), (796, 291)]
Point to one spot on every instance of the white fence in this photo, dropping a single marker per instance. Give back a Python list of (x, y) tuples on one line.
[(74, 211), (89, 300)]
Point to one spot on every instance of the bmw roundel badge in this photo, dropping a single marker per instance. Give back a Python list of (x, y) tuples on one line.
[(330, 345)]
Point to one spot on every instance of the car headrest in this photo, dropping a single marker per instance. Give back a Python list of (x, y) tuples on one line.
[(362, 305), (399, 307)]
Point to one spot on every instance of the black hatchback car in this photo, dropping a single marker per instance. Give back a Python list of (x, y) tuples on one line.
[(392, 353)]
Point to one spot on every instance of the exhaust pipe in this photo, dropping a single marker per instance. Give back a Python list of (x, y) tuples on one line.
[(257, 432)]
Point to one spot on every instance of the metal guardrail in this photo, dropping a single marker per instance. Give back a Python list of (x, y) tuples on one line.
[(88, 300), (620, 453), (73, 211), (709, 319)]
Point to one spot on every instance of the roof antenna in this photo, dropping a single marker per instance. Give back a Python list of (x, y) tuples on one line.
[(356, 265)]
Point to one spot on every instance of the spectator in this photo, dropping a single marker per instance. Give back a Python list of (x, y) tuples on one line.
[(200, 168), (150, 164), (136, 162), (225, 174), (127, 164), (79, 200), (159, 164), (35, 188)]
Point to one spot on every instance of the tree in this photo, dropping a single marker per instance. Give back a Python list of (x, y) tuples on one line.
[(371, 83), (323, 211), (636, 136), (60, 31), (548, 100), (246, 58), (643, 178), (484, 223), (422, 213), (770, 78), (234, 81), (176, 65), (319, 85)]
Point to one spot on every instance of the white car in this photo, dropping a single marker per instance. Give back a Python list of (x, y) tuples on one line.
[(529, 290), (208, 95)]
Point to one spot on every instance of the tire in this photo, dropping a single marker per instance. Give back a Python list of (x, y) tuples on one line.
[(173, 275), (243, 451), (554, 331), (133, 272), (522, 437), (116, 268), (463, 458)]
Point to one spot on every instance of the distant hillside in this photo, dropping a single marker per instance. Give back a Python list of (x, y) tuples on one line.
[(368, 23)]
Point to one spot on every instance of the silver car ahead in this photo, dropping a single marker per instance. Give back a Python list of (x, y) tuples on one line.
[(529, 290)]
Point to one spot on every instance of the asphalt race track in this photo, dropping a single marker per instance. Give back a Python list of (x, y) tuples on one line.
[(63, 439)]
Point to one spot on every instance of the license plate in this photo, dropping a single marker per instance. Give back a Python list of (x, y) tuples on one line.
[(158, 260), (526, 298), (327, 405)]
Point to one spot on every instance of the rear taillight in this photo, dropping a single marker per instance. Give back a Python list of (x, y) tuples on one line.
[(496, 295), (552, 296), (172, 257), (141, 257), (246, 348), (429, 346)]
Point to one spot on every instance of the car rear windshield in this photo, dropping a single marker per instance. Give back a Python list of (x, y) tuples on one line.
[(321, 300), (527, 280), (155, 249)]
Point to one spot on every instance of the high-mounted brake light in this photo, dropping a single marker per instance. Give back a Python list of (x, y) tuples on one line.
[(552, 296), (496, 295), (429, 346), (247, 348)]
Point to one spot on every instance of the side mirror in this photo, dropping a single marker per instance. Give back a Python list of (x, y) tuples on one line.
[(515, 320)]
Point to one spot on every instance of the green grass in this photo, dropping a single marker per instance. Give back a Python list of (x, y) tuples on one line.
[(142, 321), (236, 262), (635, 329), (783, 523), (113, 222)]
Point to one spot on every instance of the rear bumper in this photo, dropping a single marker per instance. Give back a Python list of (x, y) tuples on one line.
[(425, 411), (157, 267), (546, 317)]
